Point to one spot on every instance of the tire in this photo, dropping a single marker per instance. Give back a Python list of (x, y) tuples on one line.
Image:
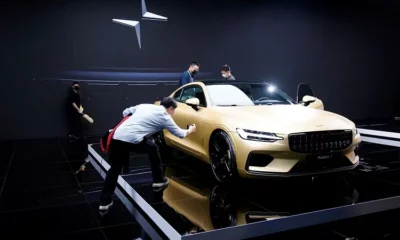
[(223, 211), (166, 152), (223, 158)]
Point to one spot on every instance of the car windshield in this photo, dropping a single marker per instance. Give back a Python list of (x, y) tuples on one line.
[(246, 95)]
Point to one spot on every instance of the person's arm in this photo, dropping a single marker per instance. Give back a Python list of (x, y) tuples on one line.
[(76, 107), (129, 111), (171, 126), (71, 100)]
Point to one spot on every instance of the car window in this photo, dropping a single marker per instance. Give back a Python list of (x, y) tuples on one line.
[(228, 95), (177, 95), (194, 92), (246, 95), (265, 94)]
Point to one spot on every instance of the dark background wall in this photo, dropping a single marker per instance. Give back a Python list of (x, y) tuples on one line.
[(347, 50)]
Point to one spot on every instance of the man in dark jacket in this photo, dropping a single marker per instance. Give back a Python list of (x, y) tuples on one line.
[(188, 75)]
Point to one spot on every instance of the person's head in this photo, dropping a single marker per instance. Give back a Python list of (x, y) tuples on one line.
[(75, 86), (226, 71), (194, 67), (169, 104)]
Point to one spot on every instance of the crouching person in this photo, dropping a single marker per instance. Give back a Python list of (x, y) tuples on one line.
[(134, 135)]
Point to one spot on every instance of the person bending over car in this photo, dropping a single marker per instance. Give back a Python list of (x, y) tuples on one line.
[(134, 135)]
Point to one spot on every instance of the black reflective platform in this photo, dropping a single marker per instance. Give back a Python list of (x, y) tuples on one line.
[(393, 126), (43, 196), (197, 207)]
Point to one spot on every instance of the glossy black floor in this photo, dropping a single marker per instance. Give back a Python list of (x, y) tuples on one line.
[(41, 196), (194, 203)]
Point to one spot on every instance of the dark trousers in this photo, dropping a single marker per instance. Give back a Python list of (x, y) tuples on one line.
[(75, 124), (119, 157)]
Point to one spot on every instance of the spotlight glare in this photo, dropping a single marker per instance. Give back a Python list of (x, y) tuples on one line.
[(271, 89)]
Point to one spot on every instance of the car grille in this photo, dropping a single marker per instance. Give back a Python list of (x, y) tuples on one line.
[(320, 142)]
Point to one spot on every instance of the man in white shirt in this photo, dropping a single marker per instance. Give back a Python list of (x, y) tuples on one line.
[(135, 135)]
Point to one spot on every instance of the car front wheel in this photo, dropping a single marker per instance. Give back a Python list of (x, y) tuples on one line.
[(222, 156)]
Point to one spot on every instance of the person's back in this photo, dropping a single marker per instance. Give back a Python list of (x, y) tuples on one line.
[(146, 119)]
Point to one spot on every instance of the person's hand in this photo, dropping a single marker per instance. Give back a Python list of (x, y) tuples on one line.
[(192, 128)]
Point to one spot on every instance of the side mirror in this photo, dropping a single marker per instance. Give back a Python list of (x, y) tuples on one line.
[(304, 90), (308, 99), (312, 102), (193, 102)]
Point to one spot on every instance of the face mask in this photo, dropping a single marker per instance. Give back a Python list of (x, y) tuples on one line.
[(195, 72), (76, 88), (224, 75)]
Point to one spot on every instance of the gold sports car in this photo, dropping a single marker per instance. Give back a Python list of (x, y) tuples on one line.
[(255, 130)]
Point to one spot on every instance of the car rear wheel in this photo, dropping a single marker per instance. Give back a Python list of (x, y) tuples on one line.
[(222, 156)]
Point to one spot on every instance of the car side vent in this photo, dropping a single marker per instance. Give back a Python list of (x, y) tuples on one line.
[(259, 160)]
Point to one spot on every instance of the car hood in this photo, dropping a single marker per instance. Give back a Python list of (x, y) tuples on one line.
[(282, 119)]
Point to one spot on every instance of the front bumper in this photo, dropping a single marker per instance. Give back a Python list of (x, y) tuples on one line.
[(263, 159)]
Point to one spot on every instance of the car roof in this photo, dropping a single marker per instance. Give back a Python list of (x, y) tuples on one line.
[(231, 82)]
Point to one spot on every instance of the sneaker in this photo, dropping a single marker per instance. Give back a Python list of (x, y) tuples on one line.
[(106, 207), (159, 189), (161, 184)]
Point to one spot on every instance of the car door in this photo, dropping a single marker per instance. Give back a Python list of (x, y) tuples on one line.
[(186, 115)]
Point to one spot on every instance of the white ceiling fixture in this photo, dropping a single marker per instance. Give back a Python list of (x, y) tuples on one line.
[(151, 16), (136, 24)]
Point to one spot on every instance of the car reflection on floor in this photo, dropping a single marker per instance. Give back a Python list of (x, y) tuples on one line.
[(199, 204), (193, 202)]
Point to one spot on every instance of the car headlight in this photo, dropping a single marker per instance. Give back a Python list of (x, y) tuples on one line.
[(257, 135)]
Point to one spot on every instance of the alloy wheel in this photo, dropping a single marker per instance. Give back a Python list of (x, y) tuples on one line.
[(221, 158)]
